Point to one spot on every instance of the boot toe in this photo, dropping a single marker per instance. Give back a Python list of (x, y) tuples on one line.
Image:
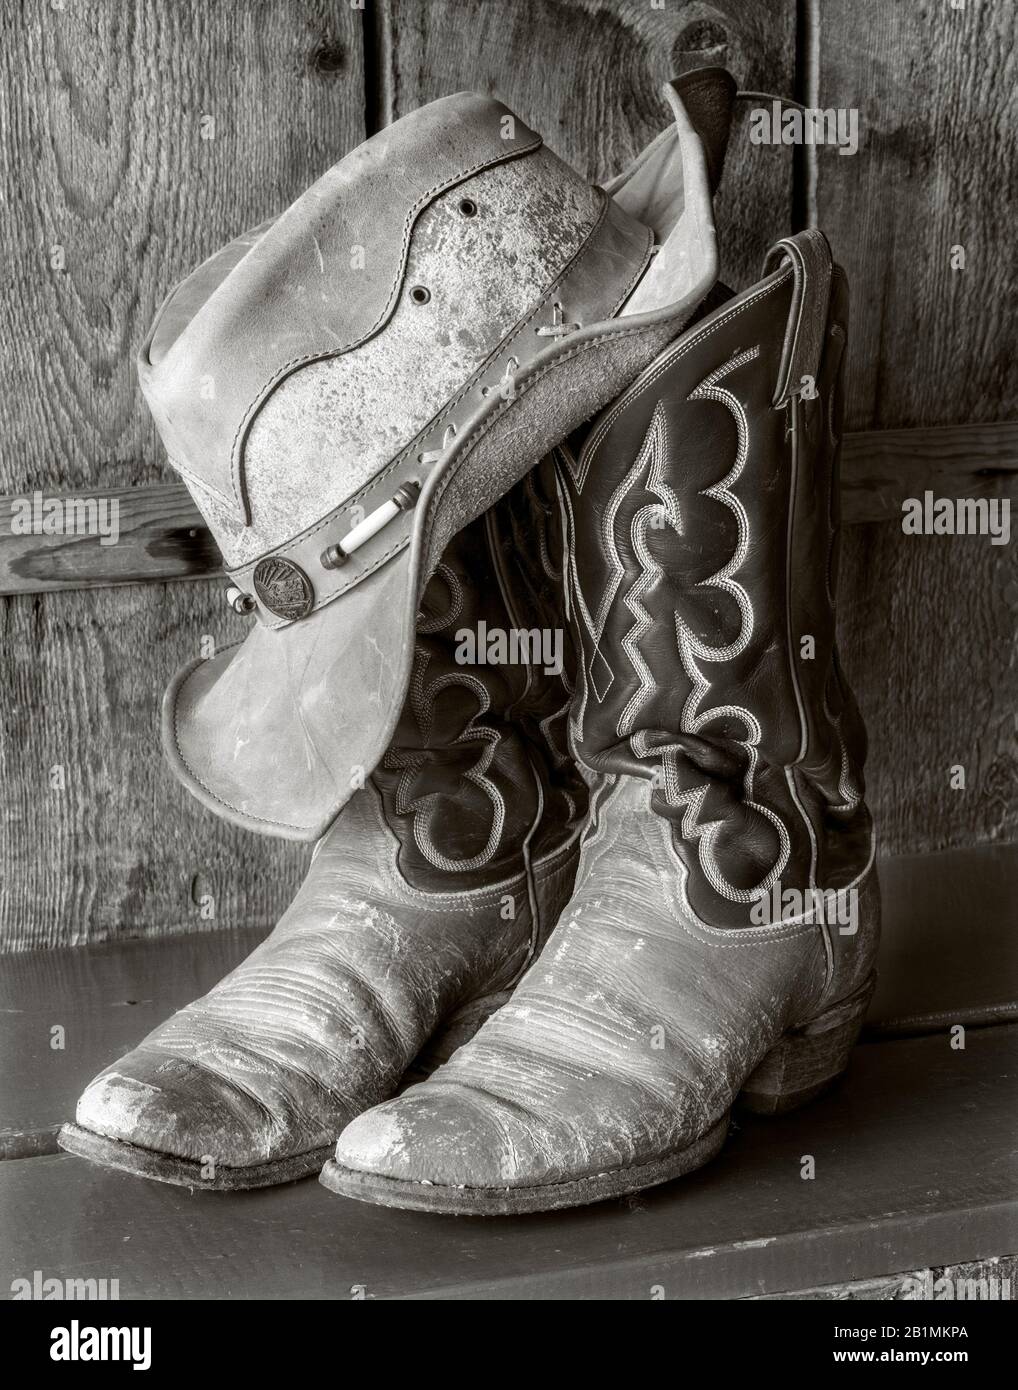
[(171, 1105), (439, 1137)]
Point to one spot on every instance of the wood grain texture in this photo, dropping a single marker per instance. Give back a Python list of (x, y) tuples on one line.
[(587, 75), (947, 944), (105, 155), (105, 998), (937, 93), (111, 844), (927, 630), (930, 628), (914, 1160), (880, 468), (163, 536)]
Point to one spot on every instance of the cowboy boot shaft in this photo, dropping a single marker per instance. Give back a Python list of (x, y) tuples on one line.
[(702, 571), (526, 530), (478, 766)]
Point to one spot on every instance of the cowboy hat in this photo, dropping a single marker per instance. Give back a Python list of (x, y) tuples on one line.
[(346, 387)]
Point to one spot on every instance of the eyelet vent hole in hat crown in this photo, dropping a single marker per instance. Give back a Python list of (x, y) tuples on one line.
[(420, 294), (468, 208)]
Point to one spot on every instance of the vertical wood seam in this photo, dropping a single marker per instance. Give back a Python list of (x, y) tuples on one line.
[(807, 79), (376, 35)]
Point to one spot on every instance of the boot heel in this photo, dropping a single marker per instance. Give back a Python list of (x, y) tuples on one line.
[(809, 1060)]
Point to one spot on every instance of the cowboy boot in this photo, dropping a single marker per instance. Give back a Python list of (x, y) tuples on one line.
[(721, 936), (423, 904)]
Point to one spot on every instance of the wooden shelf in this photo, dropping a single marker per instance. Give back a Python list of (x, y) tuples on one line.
[(914, 1151), (914, 1167)]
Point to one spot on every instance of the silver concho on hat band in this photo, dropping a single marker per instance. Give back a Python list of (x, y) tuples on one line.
[(283, 588)]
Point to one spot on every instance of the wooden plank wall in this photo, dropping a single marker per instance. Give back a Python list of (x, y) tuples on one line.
[(929, 622), (108, 153), (138, 137)]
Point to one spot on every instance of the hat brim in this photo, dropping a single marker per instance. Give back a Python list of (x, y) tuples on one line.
[(276, 733)]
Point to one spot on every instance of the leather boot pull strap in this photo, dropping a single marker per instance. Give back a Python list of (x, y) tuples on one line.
[(708, 94), (810, 255)]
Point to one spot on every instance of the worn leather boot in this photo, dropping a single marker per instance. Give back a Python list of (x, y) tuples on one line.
[(721, 937), (423, 905)]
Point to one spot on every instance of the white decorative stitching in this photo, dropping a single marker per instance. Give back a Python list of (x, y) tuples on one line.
[(454, 589), (423, 808), (575, 602), (654, 449), (693, 717)]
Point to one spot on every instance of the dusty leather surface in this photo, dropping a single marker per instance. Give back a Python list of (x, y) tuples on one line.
[(305, 265), (325, 1016), (701, 546), (433, 890), (339, 420), (273, 734), (374, 391)]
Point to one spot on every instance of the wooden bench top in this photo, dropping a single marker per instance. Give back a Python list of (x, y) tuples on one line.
[(914, 1167)]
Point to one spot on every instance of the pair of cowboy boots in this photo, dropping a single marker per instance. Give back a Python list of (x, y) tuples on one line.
[(581, 905)]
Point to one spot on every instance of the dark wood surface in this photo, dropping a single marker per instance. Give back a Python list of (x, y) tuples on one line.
[(103, 1000), (935, 89), (881, 468), (107, 997), (915, 1167), (162, 536), (947, 948), (929, 628), (899, 1287)]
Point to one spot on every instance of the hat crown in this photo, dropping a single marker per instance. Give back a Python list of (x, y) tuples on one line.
[(320, 281)]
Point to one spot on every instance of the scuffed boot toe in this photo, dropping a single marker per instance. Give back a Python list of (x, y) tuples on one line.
[(170, 1118), (443, 1148), (434, 1138)]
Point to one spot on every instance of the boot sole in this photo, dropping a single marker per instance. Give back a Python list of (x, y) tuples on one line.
[(799, 1068), (185, 1172), (521, 1201)]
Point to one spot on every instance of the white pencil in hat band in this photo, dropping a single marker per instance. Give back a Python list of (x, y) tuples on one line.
[(401, 501)]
